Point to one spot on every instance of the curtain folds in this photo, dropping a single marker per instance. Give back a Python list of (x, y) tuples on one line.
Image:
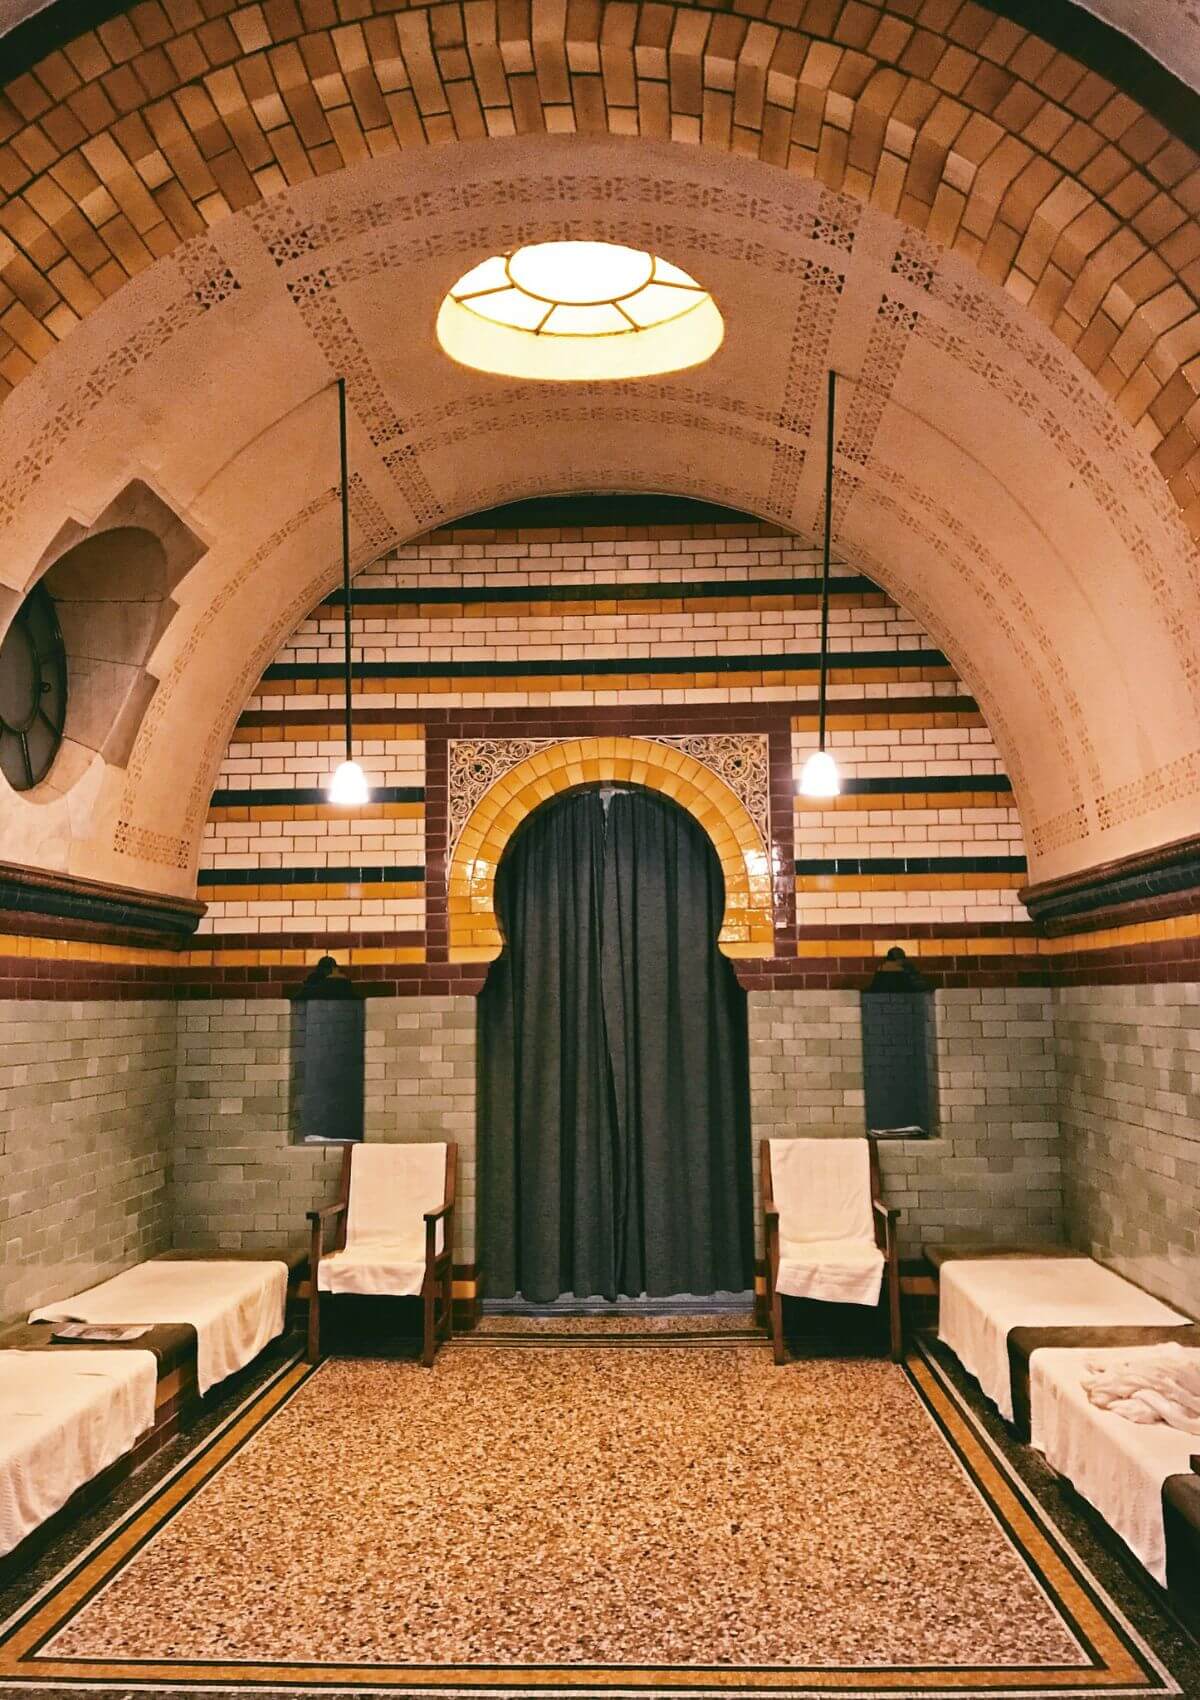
[(614, 1080)]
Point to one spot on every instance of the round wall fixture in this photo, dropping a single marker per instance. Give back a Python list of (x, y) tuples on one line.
[(574, 311), (33, 692)]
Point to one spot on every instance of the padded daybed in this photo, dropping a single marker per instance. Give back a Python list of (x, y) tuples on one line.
[(1138, 1476), (64, 1418), (170, 1348), (235, 1306), (984, 1294)]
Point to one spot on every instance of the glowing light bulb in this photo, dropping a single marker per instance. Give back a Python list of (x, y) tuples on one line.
[(820, 776), (349, 787)]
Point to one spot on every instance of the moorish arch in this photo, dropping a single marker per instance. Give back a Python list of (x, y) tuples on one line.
[(988, 238), (748, 928)]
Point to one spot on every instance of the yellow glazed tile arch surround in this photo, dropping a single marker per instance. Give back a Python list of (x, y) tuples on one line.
[(748, 929)]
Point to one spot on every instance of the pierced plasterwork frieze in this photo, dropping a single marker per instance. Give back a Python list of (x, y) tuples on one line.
[(740, 759)]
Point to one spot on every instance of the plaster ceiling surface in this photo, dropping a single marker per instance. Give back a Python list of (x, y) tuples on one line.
[(983, 476), (1169, 30)]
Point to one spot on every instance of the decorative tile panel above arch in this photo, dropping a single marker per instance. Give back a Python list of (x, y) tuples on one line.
[(545, 769)]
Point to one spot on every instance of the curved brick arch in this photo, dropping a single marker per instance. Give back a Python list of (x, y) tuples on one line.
[(142, 133), (748, 928)]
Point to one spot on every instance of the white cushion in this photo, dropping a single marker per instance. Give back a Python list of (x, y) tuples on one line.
[(839, 1271), (822, 1188)]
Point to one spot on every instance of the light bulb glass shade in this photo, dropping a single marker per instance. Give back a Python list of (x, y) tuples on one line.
[(349, 787), (820, 777), (578, 311)]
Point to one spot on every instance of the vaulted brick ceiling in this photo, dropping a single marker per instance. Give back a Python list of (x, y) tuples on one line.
[(212, 212)]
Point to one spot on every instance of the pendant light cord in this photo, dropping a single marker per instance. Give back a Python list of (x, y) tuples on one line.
[(346, 605), (824, 674)]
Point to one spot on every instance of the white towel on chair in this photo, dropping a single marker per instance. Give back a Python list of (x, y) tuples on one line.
[(391, 1188), (848, 1272)]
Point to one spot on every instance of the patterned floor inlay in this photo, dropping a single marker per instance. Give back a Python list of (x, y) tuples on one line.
[(571, 1518)]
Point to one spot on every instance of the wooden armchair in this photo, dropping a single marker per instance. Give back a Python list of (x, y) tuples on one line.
[(394, 1235), (828, 1233)]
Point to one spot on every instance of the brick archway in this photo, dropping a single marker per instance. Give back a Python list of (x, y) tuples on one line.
[(748, 927)]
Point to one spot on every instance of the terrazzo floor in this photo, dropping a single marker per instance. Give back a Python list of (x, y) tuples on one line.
[(554, 1514)]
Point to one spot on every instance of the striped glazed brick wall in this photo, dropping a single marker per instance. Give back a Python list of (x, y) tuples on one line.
[(560, 633)]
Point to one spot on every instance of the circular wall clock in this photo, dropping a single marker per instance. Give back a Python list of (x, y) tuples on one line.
[(33, 692)]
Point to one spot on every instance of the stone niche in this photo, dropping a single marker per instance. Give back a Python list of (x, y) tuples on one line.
[(111, 583)]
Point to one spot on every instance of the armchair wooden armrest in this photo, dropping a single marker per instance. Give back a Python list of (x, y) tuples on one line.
[(889, 1212), (442, 1210), (317, 1220)]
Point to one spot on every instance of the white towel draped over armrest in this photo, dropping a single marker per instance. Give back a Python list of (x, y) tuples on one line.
[(1161, 1385), (848, 1272), (391, 1188), (235, 1307), (66, 1414), (827, 1250)]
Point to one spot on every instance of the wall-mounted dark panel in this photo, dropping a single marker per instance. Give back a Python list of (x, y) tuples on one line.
[(328, 1046)]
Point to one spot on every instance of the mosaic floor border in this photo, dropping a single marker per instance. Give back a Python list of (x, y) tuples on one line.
[(1124, 1662)]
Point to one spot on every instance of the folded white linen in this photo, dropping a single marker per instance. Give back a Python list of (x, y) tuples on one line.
[(981, 1301), (372, 1268), (1161, 1386), (1119, 1467), (841, 1271), (65, 1415), (235, 1307)]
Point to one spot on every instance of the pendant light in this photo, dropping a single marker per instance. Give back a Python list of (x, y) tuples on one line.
[(348, 787), (819, 777)]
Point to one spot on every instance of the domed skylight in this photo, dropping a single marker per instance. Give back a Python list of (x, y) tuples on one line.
[(578, 310)]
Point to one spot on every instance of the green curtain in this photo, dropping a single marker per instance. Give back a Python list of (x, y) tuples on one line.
[(614, 1080)]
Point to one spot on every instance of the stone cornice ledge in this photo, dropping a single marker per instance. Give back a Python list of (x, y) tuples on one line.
[(32, 897), (1150, 885)]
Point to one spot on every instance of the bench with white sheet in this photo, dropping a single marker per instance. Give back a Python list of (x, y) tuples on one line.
[(236, 1307), (980, 1302), (64, 1418), (1118, 1466)]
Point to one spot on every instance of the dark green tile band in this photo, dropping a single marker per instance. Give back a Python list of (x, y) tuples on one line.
[(673, 590), (309, 876), (283, 797), (608, 666), (911, 865), (894, 786)]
